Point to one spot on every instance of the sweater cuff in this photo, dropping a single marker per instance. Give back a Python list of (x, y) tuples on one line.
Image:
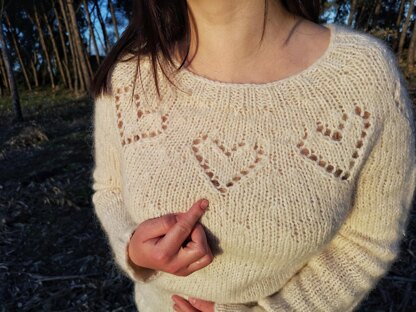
[(135, 272), (119, 227)]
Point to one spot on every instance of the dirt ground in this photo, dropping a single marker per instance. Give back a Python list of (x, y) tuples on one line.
[(53, 253)]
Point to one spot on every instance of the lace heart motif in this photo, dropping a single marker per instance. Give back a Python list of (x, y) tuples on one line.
[(225, 166), (310, 146), (134, 121)]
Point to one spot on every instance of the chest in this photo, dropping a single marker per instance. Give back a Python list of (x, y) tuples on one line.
[(271, 176)]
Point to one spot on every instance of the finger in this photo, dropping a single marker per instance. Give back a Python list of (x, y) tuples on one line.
[(198, 264), (199, 236), (195, 266), (158, 226), (189, 262), (174, 238), (200, 304), (183, 304), (177, 308), (155, 240), (196, 254)]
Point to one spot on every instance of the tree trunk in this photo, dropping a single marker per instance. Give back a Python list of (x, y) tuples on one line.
[(92, 33), (364, 14), (55, 50), (400, 13), (79, 44), (4, 74), (374, 12), (34, 71), (352, 11), (13, 88), (63, 44), (411, 52), (398, 23), (71, 46), (44, 48), (17, 49), (79, 75), (102, 24), (88, 63), (406, 25), (113, 17)]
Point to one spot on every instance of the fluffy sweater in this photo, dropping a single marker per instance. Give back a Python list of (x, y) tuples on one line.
[(309, 178)]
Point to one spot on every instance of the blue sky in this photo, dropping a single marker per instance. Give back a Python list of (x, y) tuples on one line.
[(122, 23)]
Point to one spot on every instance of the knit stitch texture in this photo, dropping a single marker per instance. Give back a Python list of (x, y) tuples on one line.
[(309, 178)]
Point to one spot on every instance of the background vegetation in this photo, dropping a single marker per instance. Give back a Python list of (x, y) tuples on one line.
[(53, 254)]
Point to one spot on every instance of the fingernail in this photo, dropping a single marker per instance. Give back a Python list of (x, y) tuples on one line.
[(204, 204), (192, 300)]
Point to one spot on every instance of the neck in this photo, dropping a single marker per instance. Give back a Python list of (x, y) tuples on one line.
[(230, 32)]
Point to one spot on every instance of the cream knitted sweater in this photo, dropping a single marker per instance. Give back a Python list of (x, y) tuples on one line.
[(310, 178)]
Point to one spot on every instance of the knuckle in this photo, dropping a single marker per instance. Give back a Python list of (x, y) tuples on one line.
[(132, 257), (168, 221), (171, 269), (198, 228), (149, 222), (138, 230), (184, 226), (207, 259), (200, 250), (161, 256)]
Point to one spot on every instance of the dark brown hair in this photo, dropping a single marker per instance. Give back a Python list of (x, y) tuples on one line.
[(158, 25)]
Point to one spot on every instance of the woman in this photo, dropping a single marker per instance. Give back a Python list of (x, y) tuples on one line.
[(300, 136)]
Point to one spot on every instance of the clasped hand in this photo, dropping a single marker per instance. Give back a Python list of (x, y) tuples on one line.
[(177, 244)]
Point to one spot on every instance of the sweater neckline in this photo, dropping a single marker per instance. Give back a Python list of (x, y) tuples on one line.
[(193, 83)]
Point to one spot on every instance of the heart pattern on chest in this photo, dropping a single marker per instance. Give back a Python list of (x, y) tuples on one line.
[(224, 165), (311, 147), (134, 121)]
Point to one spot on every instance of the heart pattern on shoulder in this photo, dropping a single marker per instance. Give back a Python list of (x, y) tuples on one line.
[(309, 146), (134, 121), (225, 166)]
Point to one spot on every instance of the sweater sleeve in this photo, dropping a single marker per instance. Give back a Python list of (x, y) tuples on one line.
[(340, 276), (107, 200)]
